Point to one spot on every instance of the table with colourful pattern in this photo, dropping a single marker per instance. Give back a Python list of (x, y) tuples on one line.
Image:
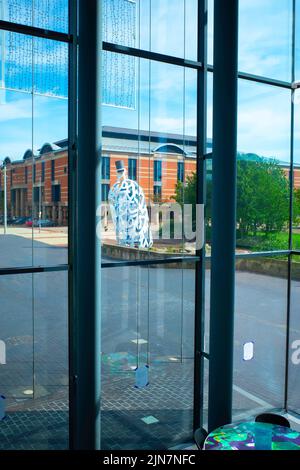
[(252, 436)]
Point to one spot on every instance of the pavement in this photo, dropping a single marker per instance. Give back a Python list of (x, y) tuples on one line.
[(147, 319)]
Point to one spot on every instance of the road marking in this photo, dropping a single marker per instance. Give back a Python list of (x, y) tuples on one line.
[(139, 341), (292, 418), (260, 402), (252, 397), (246, 416)]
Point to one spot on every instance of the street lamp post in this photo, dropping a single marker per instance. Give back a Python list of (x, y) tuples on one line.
[(5, 200), (40, 204), (5, 196)]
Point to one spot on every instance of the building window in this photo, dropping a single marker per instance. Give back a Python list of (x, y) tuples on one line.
[(157, 170), (26, 174), (180, 171), (157, 191), (34, 172), (105, 168), (43, 172), (11, 176), (52, 170), (56, 193), (104, 192), (13, 197), (132, 168), (36, 194)]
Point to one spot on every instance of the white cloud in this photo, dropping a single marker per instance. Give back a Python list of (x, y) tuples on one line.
[(19, 109)]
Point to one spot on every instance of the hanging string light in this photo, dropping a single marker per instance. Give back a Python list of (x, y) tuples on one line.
[(118, 70), (48, 60), (41, 66)]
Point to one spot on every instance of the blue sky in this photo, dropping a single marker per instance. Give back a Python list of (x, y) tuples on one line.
[(265, 48)]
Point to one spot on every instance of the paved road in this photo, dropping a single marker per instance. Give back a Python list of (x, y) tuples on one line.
[(33, 324)]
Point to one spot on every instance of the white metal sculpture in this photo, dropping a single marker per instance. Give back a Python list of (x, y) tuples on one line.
[(129, 211)]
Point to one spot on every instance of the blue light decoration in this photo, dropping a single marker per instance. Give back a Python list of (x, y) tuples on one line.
[(142, 376), (30, 64), (40, 66), (2, 407), (119, 74)]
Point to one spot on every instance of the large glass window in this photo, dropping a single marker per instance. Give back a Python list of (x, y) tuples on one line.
[(260, 320), (153, 105), (147, 339), (266, 38), (149, 131), (294, 340), (164, 26), (34, 313), (263, 165)]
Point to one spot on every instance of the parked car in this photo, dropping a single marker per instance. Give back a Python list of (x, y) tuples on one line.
[(43, 223), (9, 220), (29, 222), (21, 220)]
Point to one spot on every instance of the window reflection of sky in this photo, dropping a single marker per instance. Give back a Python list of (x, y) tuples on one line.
[(265, 48)]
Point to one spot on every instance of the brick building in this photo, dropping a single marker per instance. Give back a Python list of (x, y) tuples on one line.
[(39, 183)]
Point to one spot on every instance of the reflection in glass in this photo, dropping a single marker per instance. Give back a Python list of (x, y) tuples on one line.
[(34, 375), (147, 323), (163, 26), (294, 344), (45, 14), (34, 106), (297, 42), (16, 332), (260, 318), (156, 140), (263, 164), (265, 38)]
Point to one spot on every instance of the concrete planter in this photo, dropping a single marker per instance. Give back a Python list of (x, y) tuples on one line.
[(267, 266)]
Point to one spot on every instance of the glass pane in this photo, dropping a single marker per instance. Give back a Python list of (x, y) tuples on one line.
[(263, 168), (15, 148), (205, 393), (16, 337), (210, 32), (297, 42), (261, 313), (265, 38), (163, 26), (50, 410), (155, 138), (296, 173), (147, 320), (34, 108), (294, 346), (34, 361), (50, 139), (45, 14)]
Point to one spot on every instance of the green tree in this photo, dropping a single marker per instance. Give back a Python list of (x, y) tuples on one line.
[(296, 206), (262, 195)]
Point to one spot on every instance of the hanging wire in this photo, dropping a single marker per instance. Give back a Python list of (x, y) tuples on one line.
[(183, 156), (149, 191), (137, 268)]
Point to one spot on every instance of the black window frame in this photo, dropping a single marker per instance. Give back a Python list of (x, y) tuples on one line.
[(157, 170), (132, 169)]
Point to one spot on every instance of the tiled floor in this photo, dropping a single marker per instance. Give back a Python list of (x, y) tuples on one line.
[(158, 416)]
